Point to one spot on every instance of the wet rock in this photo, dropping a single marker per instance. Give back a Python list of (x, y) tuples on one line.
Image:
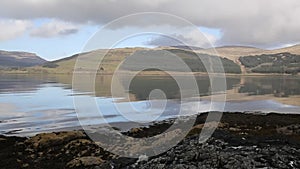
[(220, 153), (234, 129), (46, 140), (135, 130), (55, 150), (8, 151), (84, 162), (272, 141), (289, 130)]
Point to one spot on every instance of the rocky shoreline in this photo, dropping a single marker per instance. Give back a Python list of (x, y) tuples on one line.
[(242, 140)]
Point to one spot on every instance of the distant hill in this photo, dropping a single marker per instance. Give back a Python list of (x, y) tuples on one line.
[(292, 49), (192, 60), (187, 47), (66, 65), (115, 56), (235, 59), (232, 52), (19, 59)]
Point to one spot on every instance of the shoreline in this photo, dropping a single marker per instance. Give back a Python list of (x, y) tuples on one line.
[(247, 140), (148, 73)]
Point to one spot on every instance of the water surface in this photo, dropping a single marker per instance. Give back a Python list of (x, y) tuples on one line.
[(33, 104)]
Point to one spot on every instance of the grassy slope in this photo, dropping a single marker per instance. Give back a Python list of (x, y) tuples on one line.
[(112, 60), (66, 65), (114, 57), (235, 52), (272, 63)]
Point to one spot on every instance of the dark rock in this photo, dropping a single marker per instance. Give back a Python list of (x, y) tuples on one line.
[(272, 141), (84, 162), (46, 140), (8, 152)]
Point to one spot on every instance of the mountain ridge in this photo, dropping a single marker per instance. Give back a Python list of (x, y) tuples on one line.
[(116, 55), (19, 59)]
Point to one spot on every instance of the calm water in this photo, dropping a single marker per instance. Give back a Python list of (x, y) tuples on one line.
[(33, 104)]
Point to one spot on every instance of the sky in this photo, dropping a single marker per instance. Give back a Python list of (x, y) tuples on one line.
[(55, 29)]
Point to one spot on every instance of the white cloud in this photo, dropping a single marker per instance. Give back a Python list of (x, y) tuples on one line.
[(252, 22), (189, 37), (54, 28), (10, 29)]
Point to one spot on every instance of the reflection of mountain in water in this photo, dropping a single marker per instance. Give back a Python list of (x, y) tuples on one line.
[(18, 83), (30, 83), (141, 86), (279, 86)]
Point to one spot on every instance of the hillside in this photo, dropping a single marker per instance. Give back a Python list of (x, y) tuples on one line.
[(115, 56), (292, 49), (187, 47), (234, 52), (272, 63), (235, 59), (19, 59), (66, 66)]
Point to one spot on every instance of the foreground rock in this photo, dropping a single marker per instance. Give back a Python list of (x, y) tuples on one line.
[(71, 149), (219, 153), (241, 141)]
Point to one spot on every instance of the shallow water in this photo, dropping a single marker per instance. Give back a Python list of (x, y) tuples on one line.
[(33, 104)]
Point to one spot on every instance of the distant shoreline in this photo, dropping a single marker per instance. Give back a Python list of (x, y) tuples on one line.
[(147, 73)]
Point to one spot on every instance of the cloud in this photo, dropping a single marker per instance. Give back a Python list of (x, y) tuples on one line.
[(255, 22), (190, 38), (11, 29), (54, 28)]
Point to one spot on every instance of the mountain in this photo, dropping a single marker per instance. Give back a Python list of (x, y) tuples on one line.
[(115, 56), (272, 63), (187, 47), (195, 62), (232, 52), (230, 57), (66, 65), (235, 59), (292, 49), (19, 59)]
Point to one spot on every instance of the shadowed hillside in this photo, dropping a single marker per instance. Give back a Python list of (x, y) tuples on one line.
[(115, 56), (19, 59)]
